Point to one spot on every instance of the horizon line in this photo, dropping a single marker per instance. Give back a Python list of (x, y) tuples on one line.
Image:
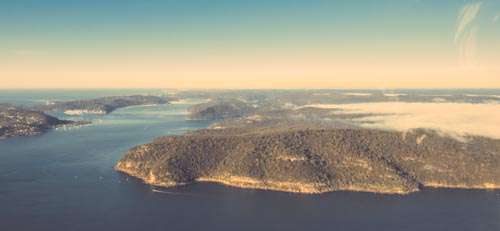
[(225, 89)]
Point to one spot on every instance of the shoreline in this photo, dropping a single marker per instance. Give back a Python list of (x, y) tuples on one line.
[(298, 187)]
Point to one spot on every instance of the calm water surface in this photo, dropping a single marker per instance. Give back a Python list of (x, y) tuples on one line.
[(64, 180)]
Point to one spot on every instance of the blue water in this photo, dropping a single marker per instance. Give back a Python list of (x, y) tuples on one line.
[(64, 180)]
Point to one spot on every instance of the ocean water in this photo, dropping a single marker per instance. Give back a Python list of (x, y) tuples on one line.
[(64, 180)]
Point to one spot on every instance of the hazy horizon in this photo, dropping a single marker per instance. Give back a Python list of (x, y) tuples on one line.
[(241, 89)]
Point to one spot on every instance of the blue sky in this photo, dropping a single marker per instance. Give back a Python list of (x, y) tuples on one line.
[(334, 33)]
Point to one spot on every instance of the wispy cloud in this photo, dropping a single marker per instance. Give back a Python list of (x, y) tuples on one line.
[(466, 35), (496, 18), (467, 49), (465, 18)]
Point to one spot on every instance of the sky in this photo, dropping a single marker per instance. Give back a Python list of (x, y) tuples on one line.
[(249, 44)]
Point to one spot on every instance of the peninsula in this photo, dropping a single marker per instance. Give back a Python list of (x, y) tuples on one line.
[(101, 106), (17, 121), (317, 160)]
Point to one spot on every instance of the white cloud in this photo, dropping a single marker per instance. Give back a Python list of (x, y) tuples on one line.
[(357, 94), (496, 18), (456, 119)]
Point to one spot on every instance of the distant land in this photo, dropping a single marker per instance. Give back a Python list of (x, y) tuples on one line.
[(102, 105)]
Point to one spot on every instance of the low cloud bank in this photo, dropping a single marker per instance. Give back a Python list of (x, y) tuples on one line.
[(456, 119), (357, 94)]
